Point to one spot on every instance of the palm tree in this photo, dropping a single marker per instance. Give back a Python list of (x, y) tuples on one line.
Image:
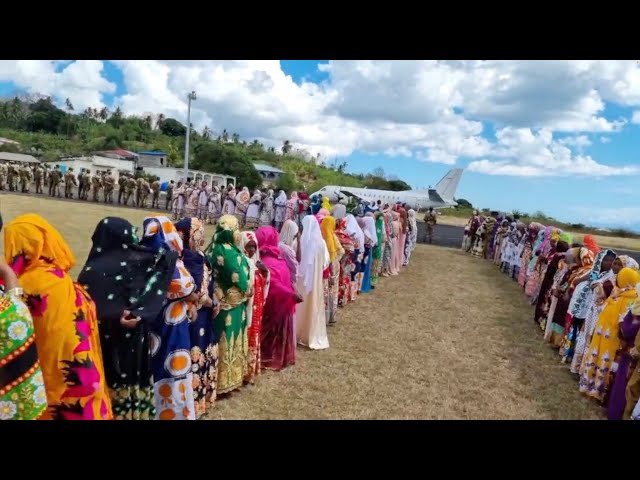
[(225, 136), (286, 147), (104, 114), (148, 122), (69, 106), (206, 133)]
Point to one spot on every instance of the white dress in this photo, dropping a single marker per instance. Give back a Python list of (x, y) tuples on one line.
[(310, 320)]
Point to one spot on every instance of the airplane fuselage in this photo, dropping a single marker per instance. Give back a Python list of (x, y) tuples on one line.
[(417, 200)]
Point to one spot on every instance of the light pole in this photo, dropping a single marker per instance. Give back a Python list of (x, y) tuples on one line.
[(190, 97)]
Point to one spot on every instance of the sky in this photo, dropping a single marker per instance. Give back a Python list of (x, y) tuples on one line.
[(557, 136)]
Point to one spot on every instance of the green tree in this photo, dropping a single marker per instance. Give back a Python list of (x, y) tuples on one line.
[(173, 128), (221, 158), (287, 182), (286, 147), (462, 203)]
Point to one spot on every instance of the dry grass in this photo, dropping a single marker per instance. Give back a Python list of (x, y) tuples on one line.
[(439, 352), (464, 347), (75, 220)]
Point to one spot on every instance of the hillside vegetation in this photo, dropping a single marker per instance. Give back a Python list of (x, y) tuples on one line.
[(51, 133)]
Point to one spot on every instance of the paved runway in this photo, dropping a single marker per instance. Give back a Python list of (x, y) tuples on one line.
[(451, 236)]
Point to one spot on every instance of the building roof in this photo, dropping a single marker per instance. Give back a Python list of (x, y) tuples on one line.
[(18, 157), (119, 151), (156, 152), (262, 167)]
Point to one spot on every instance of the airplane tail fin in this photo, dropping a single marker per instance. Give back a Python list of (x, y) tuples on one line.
[(449, 184)]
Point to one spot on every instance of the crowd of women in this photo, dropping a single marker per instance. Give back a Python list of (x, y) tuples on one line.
[(160, 325), (585, 299)]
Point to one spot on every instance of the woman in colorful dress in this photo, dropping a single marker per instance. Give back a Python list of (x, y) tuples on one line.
[(291, 212), (215, 206), (533, 268), (354, 231), (280, 209), (527, 252), (290, 248), (204, 342), (124, 278), (311, 319), (278, 336), (577, 296), (64, 317), (267, 212), (179, 200), (229, 205), (544, 297), (396, 228), (412, 236), (253, 212), (231, 273), (22, 391), (387, 251), (376, 266), (170, 341), (597, 366), (371, 240), (242, 205), (331, 276), (347, 264), (259, 279), (586, 303), (629, 327), (499, 240)]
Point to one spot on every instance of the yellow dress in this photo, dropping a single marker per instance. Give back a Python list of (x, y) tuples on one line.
[(64, 318), (596, 369)]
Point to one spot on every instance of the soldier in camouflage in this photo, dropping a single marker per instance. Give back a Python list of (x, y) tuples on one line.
[(109, 183), (155, 189)]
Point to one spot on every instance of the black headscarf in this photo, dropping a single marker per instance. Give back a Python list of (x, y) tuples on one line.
[(122, 274)]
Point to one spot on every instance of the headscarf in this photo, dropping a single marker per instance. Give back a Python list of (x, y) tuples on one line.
[(30, 242), (339, 211), (369, 230), (628, 262), (288, 234), (245, 238), (159, 233), (122, 275), (191, 231), (281, 200), (267, 239), (311, 243), (321, 214), (566, 237), (353, 229), (591, 243), (345, 240), (328, 228), (325, 204), (256, 197), (230, 266)]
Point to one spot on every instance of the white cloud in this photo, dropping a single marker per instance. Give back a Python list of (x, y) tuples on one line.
[(522, 152), (605, 139), (635, 118), (580, 141), (81, 81), (405, 108)]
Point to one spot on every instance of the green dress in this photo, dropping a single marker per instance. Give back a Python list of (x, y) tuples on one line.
[(231, 271), (22, 391)]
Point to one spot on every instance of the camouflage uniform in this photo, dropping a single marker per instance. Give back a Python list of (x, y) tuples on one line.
[(96, 184), (69, 182), (25, 178), (11, 177), (54, 183), (3, 175), (37, 177), (169, 199), (155, 199), (131, 189), (109, 182), (144, 193), (122, 186), (85, 186)]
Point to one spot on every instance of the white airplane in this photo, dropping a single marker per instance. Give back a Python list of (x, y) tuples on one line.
[(440, 197)]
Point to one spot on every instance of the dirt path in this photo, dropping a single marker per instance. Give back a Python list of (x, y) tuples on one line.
[(442, 341)]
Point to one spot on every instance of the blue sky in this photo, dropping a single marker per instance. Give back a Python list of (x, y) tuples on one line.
[(607, 200)]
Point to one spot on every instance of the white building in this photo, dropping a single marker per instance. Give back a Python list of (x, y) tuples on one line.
[(98, 164), (270, 175)]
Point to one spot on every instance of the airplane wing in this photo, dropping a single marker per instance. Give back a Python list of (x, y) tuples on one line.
[(350, 195)]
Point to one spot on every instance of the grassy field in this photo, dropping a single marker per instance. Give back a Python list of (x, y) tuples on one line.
[(450, 338)]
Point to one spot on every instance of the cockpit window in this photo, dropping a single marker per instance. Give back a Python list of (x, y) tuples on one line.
[(323, 189)]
